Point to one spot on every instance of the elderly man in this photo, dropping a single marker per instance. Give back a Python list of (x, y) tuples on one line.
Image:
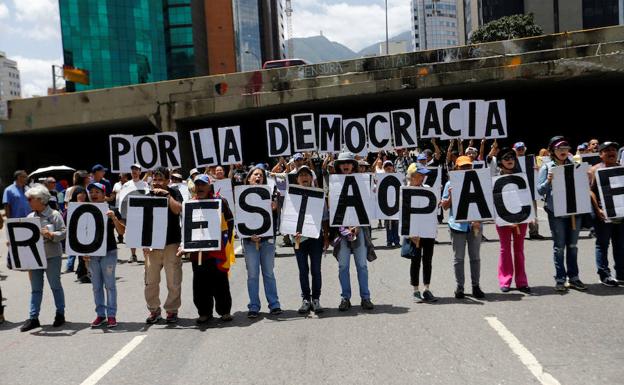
[(14, 197)]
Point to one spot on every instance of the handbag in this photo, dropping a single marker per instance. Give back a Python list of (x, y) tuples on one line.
[(407, 248)]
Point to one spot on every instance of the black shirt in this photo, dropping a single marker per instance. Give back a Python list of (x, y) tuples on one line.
[(111, 242)]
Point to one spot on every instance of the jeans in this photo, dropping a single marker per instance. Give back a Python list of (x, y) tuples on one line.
[(508, 263), (358, 248), (564, 239), (71, 260), (263, 257), (606, 232), (53, 273), (312, 248), (392, 232), (102, 271), (459, 240)]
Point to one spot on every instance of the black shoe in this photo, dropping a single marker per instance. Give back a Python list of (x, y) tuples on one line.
[(203, 319), (153, 318), (30, 324), (345, 305), (172, 318), (609, 281), (477, 292), (133, 258), (561, 287), (577, 284), (305, 307), (252, 314), (525, 289), (537, 237), (276, 311), (505, 289), (59, 320), (84, 279), (459, 293), (367, 304), (429, 297)]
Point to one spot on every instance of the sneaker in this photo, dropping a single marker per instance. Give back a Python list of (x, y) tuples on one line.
[(429, 297), (525, 289), (505, 289), (609, 281), (153, 318), (97, 321), (316, 306), (227, 317), (537, 237), (345, 305), (202, 319), (577, 285), (305, 307), (30, 324), (133, 258), (112, 322), (59, 320), (84, 279), (477, 292), (276, 311), (172, 318), (252, 314), (459, 292), (417, 296), (367, 304), (560, 286)]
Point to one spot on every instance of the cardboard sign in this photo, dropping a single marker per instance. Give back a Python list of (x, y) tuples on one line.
[(404, 129), (302, 211), (472, 198), (592, 158), (431, 118), (146, 151), (26, 251), (201, 225), (354, 134), (204, 148), (130, 188), (330, 133), (303, 132), (611, 188), (169, 150), (350, 200), (278, 138), (512, 199), (231, 151), (379, 131), (121, 153), (434, 178), (254, 214), (223, 188), (146, 225), (527, 165), (419, 211), (570, 190), (387, 188), (86, 229)]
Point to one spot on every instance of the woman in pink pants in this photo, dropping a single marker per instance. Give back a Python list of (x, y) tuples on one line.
[(511, 237)]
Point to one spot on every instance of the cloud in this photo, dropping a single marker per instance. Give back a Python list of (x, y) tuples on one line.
[(354, 24), (36, 75), (37, 19), (4, 11)]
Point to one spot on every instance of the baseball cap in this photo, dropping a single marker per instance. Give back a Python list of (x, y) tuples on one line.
[(98, 186), (388, 163), (518, 145), (203, 178), (193, 171), (304, 169), (136, 165), (422, 170), (297, 156), (606, 145), (98, 167), (462, 161), (421, 157)]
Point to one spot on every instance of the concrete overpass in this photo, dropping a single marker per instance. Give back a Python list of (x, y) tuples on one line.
[(554, 84)]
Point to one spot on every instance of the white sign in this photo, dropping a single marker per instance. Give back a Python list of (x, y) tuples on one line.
[(302, 211), (570, 190), (146, 226), (201, 225), (471, 193), (254, 214), (223, 188), (419, 211), (387, 188), (350, 200), (512, 199), (86, 229), (26, 251)]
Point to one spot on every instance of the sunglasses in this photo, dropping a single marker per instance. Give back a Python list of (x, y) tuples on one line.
[(508, 157)]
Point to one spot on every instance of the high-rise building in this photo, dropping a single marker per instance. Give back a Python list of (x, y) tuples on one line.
[(435, 24), (10, 84)]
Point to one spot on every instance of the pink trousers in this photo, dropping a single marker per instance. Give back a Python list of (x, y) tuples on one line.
[(508, 264)]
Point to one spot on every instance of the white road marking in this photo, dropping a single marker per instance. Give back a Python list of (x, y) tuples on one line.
[(526, 357), (113, 361)]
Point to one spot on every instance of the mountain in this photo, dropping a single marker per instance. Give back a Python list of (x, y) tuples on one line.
[(374, 49), (318, 49)]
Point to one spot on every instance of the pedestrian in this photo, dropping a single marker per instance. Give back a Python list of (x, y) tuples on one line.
[(167, 257), (464, 234), (14, 197), (53, 233), (511, 237), (98, 171), (607, 231), (391, 225), (141, 186), (352, 240), (102, 268), (565, 233)]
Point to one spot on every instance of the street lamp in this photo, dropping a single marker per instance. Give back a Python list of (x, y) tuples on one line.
[(256, 56), (387, 50)]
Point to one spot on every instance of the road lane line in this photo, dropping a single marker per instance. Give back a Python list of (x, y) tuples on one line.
[(526, 357), (113, 361)]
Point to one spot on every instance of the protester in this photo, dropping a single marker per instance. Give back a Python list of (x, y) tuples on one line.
[(402, 161), (508, 164), (102, 268), (260, 253), (192, 175), (520, 150), (99, 172), (352, 240), (14, 197), (53, 232), (82, 273), (134, 184), (391, 225), (219, 173), (564, 230), (167, 258), (114, 205), (611, 231), (593, 145), (55, 203), (462, 235)]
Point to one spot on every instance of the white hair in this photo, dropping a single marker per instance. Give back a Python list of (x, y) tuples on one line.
[(39, 191)]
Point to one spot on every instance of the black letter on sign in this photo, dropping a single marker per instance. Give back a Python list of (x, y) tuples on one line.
[(408, 210), (329, 132), (361, 133), (30, 242), (432, 120), (609, 192), (472, 119), (273, 129), (401, 122), (494, 121), (471, 180), (345, 201), (72, 230), (190, 225), (529, 161), (447, 110), (167, 145), (266, 215), (119, 147), (230, 147), (372, 125), (201, 158), (305, 194), (568, 176), (382, 194), (499, 202), (432, 177), (148, 216), (139, 152), (300, 132)]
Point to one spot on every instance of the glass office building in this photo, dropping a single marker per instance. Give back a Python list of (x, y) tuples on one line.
[(119, 42), (435, 24), (247, 35)]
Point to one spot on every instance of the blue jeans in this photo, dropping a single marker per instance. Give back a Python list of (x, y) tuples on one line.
[(53, 273), (392, 232), (606, 232), (103, 276), (564, 240), (71, 260), (314, 249), (358, 247), (254, 259)]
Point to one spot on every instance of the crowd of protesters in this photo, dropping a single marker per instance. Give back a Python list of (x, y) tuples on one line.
[(49, 200)]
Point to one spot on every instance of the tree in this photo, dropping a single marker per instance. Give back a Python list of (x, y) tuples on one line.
[(505, 28)]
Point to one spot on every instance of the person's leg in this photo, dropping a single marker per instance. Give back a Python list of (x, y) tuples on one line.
[(603, 236), (395, 232), (361, 264), (344, 260), (267, 263), (458, 241), (109, 264), (53, 273), (304, 271), (474, 253), (200, 281), (97, 283), (572, 236), (222, 296), (559, 234), (415, 267), (173, 273), (316, 255), (36, 292), (388, 233), (153, 266), (71, 260), (534, 226), (505, 262), (518, 245), (618, 251), (427, 248), (252, 262)]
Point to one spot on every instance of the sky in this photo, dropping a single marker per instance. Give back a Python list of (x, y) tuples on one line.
[(30, 30)]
